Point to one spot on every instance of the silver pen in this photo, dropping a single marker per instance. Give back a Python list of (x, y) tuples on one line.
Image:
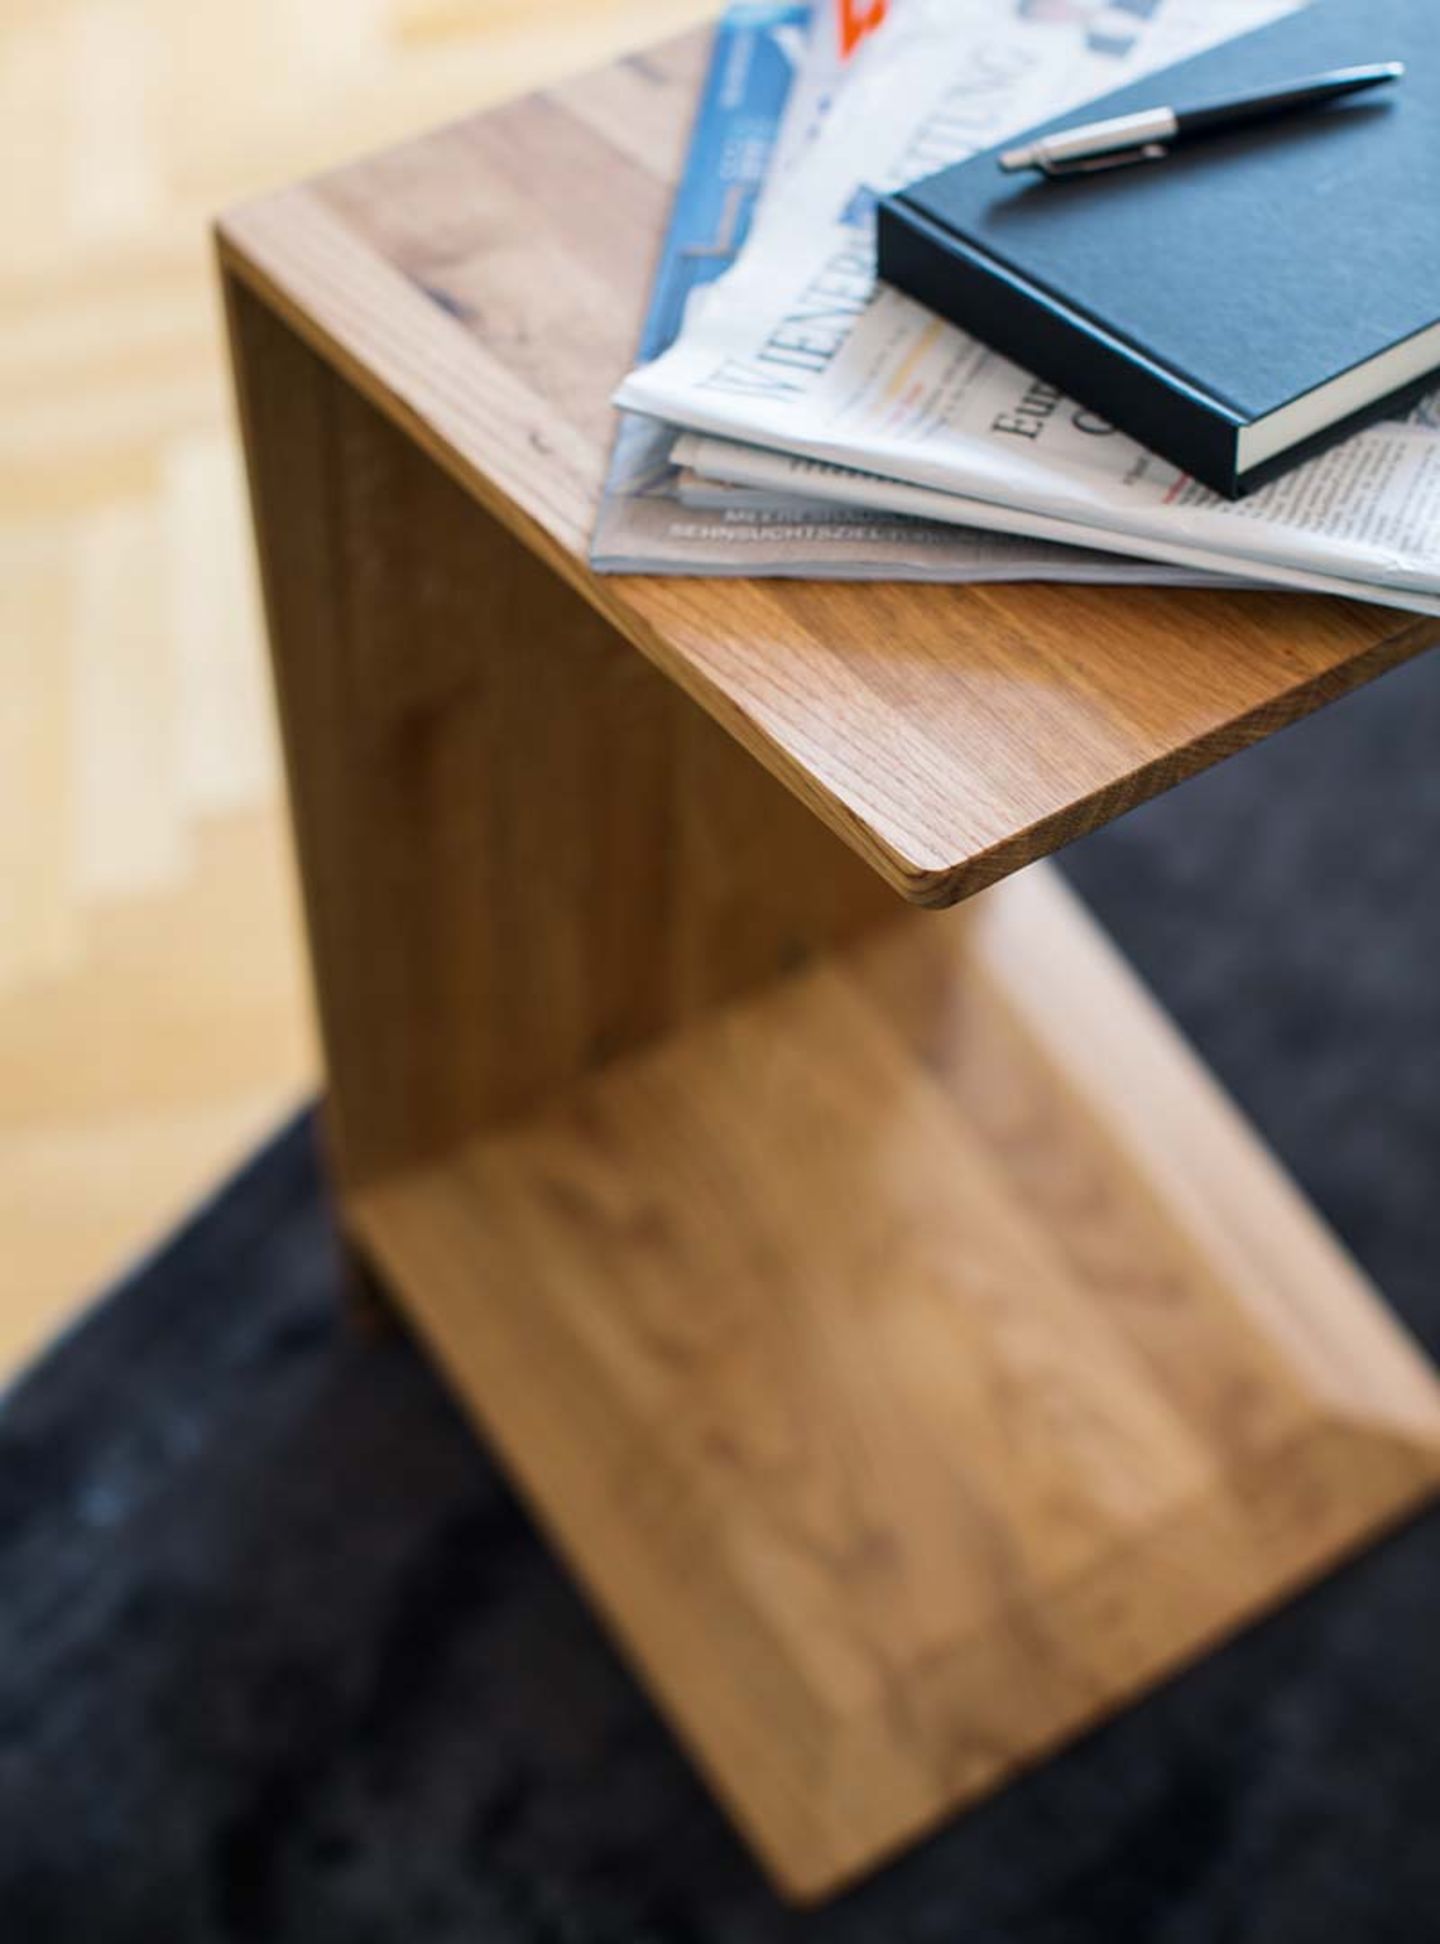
[(1151, 134)]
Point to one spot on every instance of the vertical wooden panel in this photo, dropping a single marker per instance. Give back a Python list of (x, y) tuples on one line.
[(524, 850)]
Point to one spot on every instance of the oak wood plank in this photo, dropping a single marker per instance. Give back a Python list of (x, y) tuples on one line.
[(903, 1419), (523, 850)]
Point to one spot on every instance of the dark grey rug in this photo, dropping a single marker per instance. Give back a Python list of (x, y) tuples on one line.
[(281, 1659)]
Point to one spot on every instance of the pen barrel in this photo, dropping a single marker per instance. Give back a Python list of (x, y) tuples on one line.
[(1210, 118)]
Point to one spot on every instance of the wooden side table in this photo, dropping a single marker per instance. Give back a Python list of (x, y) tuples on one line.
[(911, 1349)]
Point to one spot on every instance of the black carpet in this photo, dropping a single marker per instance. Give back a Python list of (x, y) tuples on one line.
[(281, 1659)]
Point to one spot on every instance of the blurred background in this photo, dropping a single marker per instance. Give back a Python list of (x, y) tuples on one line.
[(153, 1015)]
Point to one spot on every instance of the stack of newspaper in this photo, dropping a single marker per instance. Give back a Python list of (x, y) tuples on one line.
[(789, 416)]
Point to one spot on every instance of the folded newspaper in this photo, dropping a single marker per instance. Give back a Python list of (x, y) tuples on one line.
[(796, 375), (775, 78)]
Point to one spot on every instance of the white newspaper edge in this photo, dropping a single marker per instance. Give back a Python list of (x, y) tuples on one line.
[(728, 462)]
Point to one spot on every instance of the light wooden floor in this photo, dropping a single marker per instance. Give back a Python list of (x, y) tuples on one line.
[(152, 1013)]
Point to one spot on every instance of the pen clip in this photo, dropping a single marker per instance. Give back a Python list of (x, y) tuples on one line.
[(1058, 169)]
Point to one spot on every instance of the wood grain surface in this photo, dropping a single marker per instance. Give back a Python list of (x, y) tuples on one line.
[(916, 1360), (523, 850), (484, 287)]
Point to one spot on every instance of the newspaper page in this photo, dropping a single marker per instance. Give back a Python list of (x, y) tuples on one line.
[(723, 466), (798, 350), (772, 87)]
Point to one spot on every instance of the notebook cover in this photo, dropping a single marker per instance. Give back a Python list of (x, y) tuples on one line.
[(1186, 298)]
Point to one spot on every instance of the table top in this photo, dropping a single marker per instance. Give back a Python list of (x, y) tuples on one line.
[(484, 287)]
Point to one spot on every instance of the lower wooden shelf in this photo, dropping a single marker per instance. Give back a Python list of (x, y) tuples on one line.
[(915, 1361)]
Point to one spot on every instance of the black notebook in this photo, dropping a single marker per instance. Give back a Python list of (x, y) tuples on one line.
[(1240, 303)]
